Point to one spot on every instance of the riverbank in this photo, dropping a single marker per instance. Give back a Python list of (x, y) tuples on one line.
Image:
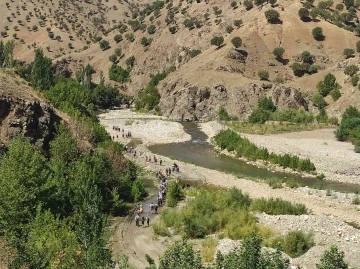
[(335, 206), (336, 160), (151, 129)]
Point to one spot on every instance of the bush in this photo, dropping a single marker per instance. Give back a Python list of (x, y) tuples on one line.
[(174, 194), (259, 116), (266, 104), (272, 16), (118, 74), (358, 46), (277, 206), (295, 243), (354, 80), (335, 94), (104, 45), (238, 23), (194, 53), (349, 53), (138, 190), (332, 259), (248, 4), (217, 41), (118, 38), (223, 114), (351, 70), (229, 29), (317, 33), (263, 75), (307, 57)]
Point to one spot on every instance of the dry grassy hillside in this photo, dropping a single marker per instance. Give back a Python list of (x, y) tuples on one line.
[(79, 22)]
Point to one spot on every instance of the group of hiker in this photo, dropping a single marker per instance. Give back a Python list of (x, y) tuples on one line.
[(124, 133), (140, 218)]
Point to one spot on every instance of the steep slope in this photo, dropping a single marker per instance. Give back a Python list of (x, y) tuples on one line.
[(23, 111)]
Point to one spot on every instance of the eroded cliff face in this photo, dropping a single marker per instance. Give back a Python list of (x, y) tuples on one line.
[(182, 101), (33, 119), (24, 111)]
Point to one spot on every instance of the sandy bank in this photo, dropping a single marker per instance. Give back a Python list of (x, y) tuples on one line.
[(336, 160), (150, 129)]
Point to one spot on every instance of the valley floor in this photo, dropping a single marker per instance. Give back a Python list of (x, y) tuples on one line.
[(329, 212)]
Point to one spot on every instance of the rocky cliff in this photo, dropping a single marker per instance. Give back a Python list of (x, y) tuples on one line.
[(22, 112), (183, 101)]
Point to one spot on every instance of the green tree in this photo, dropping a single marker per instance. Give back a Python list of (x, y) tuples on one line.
[(151, 29), (104, 44), (113, 58), (278, 52), (180, 255), (340, 7), (174, 194), (118, 74), (118, 52), (217, 41), (358, 46), (349, 3), (307, 57), (266, 104), (41, 76), (319, 101), (237, 42), (335, 94), (332, 259), (329, 83), (238, 23), (118, 38), (272, 2), (272, 16), (248, 4), (317, 33), (303, 13), (130, 61)]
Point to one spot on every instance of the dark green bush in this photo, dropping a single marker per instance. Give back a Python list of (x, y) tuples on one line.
[(117, 73), (277, 206)]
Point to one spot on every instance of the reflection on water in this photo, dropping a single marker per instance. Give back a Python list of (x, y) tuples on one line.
[(199, 152)]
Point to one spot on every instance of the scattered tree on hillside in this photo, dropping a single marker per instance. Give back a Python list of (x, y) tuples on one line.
[(272, 2), (278, 53), (317, 33), (104, 44), (238, 23), (217, 41), (118, 38), (118, 52), (319, 101), (348, 53), (234, 4), (151, 29), (328, 84), (130, 61), (351, 70), (41, 76), (272, 16), (248, 4), (113, 58), (304, 14), (332, 259), (6, 54), (237, 42)]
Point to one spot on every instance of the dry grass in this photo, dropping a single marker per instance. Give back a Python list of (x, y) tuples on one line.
[(208, 249)]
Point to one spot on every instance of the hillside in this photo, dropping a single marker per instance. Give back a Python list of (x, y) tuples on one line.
[(193, 25)]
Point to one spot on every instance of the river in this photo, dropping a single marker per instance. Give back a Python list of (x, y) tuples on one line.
[(201, 153)]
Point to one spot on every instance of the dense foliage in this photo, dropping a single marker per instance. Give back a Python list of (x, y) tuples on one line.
[(224, 211), (231, 141), (349, 128), (149, 97), (117, 73), (55, 210)]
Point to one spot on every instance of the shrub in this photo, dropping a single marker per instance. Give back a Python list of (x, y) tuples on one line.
[(217, 41), (194, 53), (307, 57), (351, 70), (104, 45), (248, 4), (138, 190), (223, 114), (259, 116), (277, 206), (335, 94), (340, 7), (358, 46), (174, 194), (151, 29), (263, 75), (354, 80), (317, 33), (278, 52), (229, 29), (266, 104), (272, 16), (118, 74), (113, 58), (349, 53), (332, 259), (295, 243), (238, 23)]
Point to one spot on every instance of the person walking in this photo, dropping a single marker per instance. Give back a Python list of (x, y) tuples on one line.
[(137, 219), (143, 221), (148, 220)]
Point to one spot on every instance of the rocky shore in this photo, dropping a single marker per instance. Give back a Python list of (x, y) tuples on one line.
[(336, 160)]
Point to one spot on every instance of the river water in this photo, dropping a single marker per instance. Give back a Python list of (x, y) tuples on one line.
[(199, 152)]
